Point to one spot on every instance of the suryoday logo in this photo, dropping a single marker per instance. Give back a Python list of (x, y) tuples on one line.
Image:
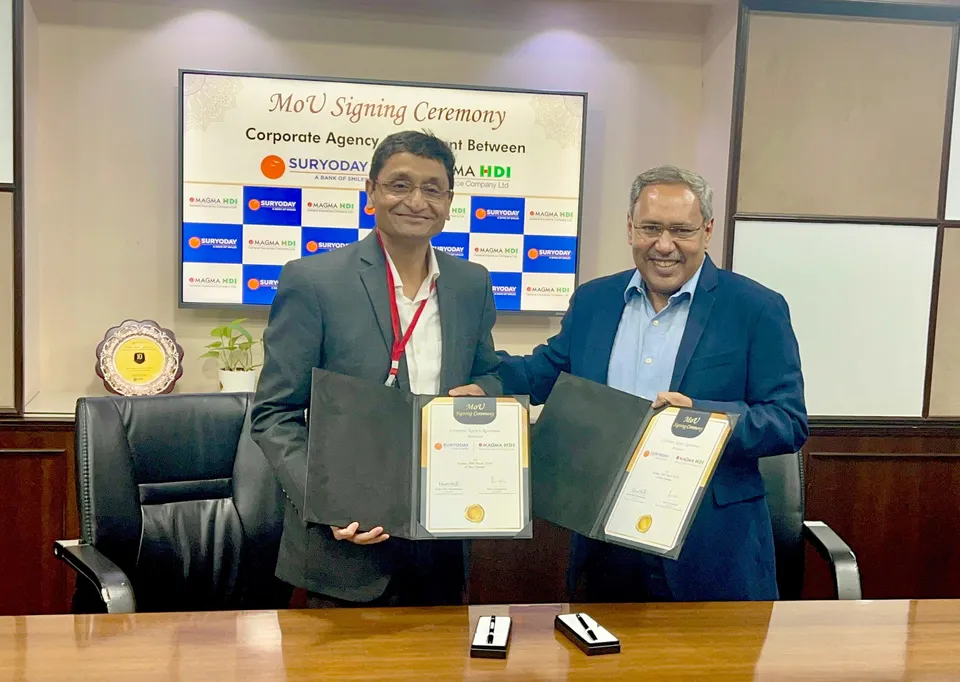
[(254, 283), (503, 215), (457, 251), (559, 254), (275, 204), (214, 242), (273, 167), (498, 213), (314, 246), (451, 446)]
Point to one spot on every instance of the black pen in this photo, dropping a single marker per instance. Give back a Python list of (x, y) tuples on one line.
[(490, 634), (586, 627)]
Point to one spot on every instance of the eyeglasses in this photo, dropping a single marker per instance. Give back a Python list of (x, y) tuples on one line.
[(677, 232), (404, 188)]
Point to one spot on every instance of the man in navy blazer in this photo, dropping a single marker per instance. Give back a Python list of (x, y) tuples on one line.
[(679, 331)]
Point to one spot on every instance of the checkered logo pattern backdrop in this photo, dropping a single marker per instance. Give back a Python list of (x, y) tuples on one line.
[(235, 244), (274, 170)]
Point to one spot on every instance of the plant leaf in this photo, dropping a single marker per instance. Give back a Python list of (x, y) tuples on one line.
[(210, 354), (240, 330)]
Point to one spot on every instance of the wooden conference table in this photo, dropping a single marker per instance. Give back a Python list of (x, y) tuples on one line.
[(881, 640)]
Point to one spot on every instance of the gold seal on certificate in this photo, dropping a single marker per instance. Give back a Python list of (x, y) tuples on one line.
[(474, 513), (610, 467), (475, 467), (422, 467), (680, 448), (139, 357)]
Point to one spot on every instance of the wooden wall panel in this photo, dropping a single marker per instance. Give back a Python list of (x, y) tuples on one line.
[(893, 498), (521, 571), (37, 507), (895, 501)]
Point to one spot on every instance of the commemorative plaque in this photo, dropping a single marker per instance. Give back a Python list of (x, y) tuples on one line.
[(139, 357)]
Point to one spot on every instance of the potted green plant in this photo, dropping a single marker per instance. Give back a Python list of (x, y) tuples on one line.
[(233, 350)]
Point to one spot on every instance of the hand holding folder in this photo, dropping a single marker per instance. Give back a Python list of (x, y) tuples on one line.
[(610, 467), (420, 467)]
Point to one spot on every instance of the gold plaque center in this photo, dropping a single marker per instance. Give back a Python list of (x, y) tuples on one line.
[(139, 360)]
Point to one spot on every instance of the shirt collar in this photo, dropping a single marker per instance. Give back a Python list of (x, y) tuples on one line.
[(638, 286), (433, 272)]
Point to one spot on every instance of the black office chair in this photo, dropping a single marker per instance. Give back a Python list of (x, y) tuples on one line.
[(179, 509), (783, 479)]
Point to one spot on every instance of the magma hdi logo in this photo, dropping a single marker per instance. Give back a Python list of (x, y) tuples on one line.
[(212, 201)]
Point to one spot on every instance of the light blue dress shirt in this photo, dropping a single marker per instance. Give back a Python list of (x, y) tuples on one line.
[(645, 348)]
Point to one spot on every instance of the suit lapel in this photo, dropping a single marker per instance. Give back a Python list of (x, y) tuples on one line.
[(447, 303), (373, 274), (700, 309), (607, 311)]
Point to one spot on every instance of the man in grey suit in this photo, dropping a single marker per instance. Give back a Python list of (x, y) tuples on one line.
[(390, 309)]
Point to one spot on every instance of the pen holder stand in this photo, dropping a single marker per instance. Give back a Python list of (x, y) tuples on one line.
[(589, 636), (491, 638)]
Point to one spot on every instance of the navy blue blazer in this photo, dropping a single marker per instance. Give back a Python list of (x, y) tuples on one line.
[(738, 354)]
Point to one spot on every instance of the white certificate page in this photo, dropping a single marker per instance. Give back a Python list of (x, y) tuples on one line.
[(472, 473), (676, 455)]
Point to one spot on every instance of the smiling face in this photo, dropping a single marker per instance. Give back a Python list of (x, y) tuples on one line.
[(411, 197), (664, 262)]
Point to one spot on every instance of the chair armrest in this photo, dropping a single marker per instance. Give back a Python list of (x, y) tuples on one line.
[(843, 562), (111, 583)]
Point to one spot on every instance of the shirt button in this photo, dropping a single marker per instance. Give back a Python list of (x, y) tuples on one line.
[(656, 323), (648, 360)]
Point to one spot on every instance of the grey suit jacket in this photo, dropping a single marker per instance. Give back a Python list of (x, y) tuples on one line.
[(332, 311)]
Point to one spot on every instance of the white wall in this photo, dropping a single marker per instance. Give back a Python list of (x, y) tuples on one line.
[(716, 112), (107, 152), (31, 198)]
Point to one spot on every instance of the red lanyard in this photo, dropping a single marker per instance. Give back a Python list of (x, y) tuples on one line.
[(399, 342)]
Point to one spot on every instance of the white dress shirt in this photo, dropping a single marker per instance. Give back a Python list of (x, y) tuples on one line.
[(424, 348)]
